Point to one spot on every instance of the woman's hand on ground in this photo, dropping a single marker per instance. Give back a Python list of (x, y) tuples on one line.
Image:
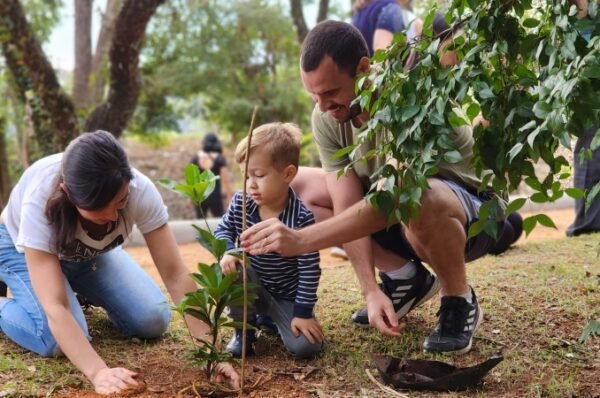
[(271, 236), (225, 371), (114, 380)]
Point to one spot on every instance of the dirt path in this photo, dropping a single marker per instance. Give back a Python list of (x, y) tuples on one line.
[(193, 253)]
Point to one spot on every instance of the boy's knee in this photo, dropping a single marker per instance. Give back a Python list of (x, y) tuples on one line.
[(303, 349)]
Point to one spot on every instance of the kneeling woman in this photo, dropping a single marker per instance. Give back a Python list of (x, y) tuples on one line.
[(61, 233)]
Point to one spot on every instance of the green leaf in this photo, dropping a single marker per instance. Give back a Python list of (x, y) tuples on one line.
[(539, 197), (199, 314), (591, 196), (453, 157), (515, 150), (473, 111), (457, 119), (593, 72), (595, 144), (486, 93), (515, 205), (409, 112), (475, 228), (528, 224), (575, 193), (192, 174), (206, 239), (436, 119), (344, 151), (209, 274), (531, 23), (541, 109), (592, 329), (546, 221)]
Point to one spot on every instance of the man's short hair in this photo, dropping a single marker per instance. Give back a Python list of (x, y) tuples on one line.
[(281, 140), (340, 40)]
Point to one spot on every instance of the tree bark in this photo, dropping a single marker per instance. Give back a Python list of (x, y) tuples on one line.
[(113, 114), (298, 19), (323, 10), (4, 176), (107, 30), (53, 112), (83, 53)]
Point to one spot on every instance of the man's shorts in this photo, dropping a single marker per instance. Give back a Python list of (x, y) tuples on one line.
[(394, 239)]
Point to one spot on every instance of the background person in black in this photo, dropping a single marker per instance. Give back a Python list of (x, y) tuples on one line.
[(210, 157)]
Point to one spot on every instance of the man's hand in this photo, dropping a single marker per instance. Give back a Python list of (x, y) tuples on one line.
[(114, 380), (382, 314), (225, 371), (271, 236), (310, 328), (229, 264)]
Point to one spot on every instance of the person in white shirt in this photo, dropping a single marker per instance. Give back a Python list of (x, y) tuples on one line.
[(61, 234)]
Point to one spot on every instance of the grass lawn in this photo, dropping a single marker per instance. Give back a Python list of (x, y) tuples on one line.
[(537, 298)]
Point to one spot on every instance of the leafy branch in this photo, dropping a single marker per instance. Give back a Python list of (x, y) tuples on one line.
[(524, 66)]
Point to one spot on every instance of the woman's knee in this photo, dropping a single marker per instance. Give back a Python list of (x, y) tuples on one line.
[(150, 324), (46, 347)]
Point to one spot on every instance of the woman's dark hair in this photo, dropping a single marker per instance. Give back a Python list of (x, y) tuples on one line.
[(94, 169), (211, 143), (340, 40)]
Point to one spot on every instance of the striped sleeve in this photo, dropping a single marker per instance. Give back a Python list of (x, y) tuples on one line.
[(309, 274), (227, 228)]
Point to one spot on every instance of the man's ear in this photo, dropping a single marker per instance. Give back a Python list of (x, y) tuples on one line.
[(289, 173), (363, 66)]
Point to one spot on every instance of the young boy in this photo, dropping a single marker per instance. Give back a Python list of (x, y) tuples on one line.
[(287, 286)]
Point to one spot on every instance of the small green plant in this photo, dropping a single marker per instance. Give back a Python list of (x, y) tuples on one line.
[(593, 328), (216, 291)]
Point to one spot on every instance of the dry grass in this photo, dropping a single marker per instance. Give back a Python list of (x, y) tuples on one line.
[(536, 298)]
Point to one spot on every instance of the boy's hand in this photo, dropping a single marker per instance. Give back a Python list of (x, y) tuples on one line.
[(310, 328), (229, 264)]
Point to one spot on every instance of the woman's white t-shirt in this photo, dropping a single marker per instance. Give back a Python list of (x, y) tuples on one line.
[(26, 222)]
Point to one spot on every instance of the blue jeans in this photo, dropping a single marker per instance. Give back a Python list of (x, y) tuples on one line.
[(134, 303), (282, 313)]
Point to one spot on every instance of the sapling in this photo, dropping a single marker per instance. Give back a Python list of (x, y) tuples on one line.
[(215, 291)]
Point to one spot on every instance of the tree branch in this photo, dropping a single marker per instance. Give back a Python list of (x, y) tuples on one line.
[(323, 10), (298, 19), (114, 114), (53, 112)]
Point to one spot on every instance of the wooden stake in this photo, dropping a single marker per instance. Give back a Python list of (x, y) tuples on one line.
[(244, 257)]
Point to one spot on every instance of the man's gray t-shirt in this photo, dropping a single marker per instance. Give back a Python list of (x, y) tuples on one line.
[(331, 136)]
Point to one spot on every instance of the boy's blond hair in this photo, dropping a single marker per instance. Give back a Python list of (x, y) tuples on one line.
[(281, 140)]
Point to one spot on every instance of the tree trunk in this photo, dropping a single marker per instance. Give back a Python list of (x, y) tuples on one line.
[(4, 177), (99, 72), (113, 114), (83, 53), (323, 10), (298, 19), (53, 112)]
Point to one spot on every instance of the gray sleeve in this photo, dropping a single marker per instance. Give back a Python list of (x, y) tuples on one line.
[(328, 140)]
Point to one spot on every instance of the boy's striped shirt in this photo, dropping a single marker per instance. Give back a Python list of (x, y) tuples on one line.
[(291, 278)]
